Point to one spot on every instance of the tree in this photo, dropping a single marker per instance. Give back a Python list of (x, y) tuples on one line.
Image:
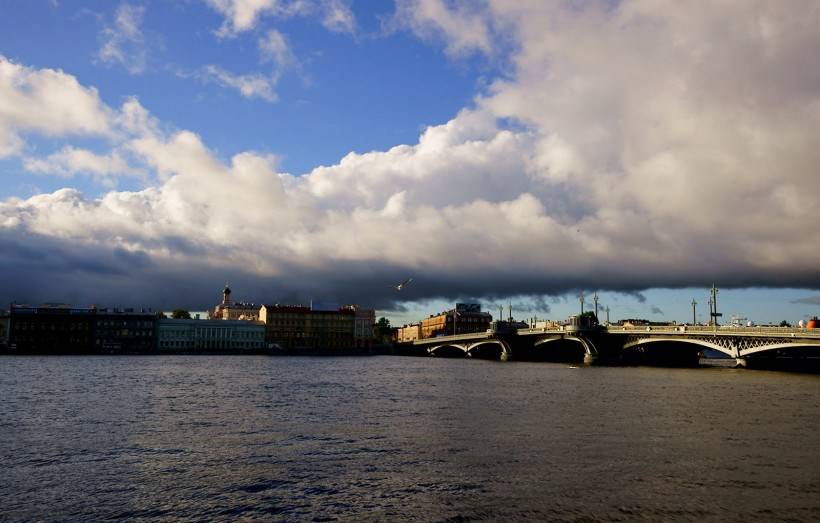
[(181, 314), (383, 331), (784, 323)]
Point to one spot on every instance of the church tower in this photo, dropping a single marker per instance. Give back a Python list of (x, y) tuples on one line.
[(226, 295)]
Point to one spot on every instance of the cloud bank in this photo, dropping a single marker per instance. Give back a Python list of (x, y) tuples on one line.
[(646, 144)]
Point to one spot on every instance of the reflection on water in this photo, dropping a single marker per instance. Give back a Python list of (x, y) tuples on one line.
[(390, 438)]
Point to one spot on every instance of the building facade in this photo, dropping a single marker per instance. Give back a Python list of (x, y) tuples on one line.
[(408, 333), (62, 329), (230, 310), (124, 331), (51, 329), (301, 327), (4, 330), (210, 336), (363, 322), (466, 318)]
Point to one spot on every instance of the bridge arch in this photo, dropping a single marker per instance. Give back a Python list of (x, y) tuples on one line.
[(564, 349), (778, 346), (589, 347), (689, 341), (504, 348), (448, 350)]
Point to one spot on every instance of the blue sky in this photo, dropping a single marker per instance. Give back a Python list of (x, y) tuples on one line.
[(362, 92), (495, 151)]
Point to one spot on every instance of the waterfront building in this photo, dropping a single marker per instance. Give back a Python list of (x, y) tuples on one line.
[(51, 328), (363, 322), (186, 335), (230, 310), (408, 333), (4, 329), (465, 318), (302, 327), (61, 328), (285, 325), (124, 330)]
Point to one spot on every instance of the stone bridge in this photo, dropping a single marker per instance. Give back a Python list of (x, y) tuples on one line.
[(616, 344)]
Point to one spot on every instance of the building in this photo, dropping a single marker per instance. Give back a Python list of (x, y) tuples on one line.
[(210, 336), (408, 333), (4, 329), (328, 330), (51, 329), (230, 310), (62, 329), (286, 326), (302, 327), (363, 322), (466, 318), (124, 330)]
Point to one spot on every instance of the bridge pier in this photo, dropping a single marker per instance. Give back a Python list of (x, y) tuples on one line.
[(741, 362), (590, 359)]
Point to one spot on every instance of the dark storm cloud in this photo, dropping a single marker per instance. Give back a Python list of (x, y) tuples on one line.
[(40, 269), (656, 310)]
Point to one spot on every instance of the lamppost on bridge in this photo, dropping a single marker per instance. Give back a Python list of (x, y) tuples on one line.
[(713, 306), (595, 301), (694, 313), (711, 312), (581, 298), (607, 315)]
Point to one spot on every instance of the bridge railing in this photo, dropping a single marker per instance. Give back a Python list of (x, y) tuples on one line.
[(783, 331), (452, 337)]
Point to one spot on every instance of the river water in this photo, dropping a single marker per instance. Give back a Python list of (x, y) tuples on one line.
[(400, 438)]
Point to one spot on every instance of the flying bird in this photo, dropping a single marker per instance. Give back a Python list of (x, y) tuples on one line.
[(403, 284)]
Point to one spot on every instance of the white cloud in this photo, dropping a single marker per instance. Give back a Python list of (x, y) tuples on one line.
[(274, 46), (240, 15), (244, 15), (655, 144), (47, 102), (123, 42), (463, 24), (249, 85), (338, 17), (70, 161)]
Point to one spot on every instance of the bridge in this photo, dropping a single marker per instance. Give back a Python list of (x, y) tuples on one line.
[(679, 343)]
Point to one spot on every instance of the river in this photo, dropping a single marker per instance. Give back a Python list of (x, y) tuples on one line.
[(400, 438)]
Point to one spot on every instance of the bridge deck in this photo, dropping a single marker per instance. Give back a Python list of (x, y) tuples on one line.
[(682, 330), (668, 330), (454, 338)]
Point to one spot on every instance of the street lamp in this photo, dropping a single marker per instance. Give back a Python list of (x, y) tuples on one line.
[(595, 300)]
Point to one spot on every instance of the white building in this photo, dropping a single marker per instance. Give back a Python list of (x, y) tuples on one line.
[(210, 335)]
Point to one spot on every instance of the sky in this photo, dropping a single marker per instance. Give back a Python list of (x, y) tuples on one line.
[(509, 152)]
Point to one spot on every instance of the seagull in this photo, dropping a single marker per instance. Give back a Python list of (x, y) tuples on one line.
[(403, 284)]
